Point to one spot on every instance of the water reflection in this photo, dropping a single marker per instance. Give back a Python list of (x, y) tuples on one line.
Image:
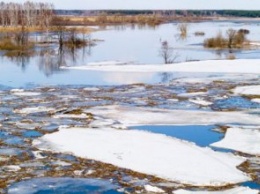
[(117, 78), (20, 58), (166, 77), (50, 60), (134, 27)]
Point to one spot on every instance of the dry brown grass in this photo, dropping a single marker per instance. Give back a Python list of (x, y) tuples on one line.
[(4, 29), (82, 29), (104, 19), (231, 57)]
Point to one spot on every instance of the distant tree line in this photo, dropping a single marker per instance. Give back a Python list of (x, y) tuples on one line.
[(29, 14), (240, 13), (236, 13)]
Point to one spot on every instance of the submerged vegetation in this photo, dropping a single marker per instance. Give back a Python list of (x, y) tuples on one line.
[(183, 29), (233, 39), (199, 33), (16, 41), (19, 20)]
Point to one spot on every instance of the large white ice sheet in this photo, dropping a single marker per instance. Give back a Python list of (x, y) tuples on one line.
[(148, 153)]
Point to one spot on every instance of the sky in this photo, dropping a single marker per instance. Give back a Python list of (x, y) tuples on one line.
[(152, 4)]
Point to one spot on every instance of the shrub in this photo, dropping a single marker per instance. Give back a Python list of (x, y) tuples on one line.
[(234, 39), (217, 42), (199, 33), (244, 31), (183, 29), (9, 44)]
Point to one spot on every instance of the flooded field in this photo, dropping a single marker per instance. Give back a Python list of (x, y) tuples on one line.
[(138, 45), (47, 111)]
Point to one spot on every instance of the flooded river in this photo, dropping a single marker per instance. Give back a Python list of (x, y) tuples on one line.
[(37, 97)]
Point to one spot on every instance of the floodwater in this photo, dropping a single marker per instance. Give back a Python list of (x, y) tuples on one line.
[(201, 135), (120, 43), (66, 90), (62, 185)]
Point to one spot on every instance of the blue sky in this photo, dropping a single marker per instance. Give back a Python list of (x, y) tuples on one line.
[(152, 4)]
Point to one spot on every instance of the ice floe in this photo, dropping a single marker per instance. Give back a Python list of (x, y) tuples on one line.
[(132, 116), (213, 66), (247, 90), (256, 100), (201, 102), (92, 89), (243, 140), (153, 189), (71, 116), (12, 168), (17, 90), (21, 92), (30, 110), (191, 94), (158, 155), (254, 43), (236, 190), (101, 63)]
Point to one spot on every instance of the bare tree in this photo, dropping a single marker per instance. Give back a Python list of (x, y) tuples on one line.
[(167, 53), (61, 35), (30, 13), (231, 35), (4, 14)]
